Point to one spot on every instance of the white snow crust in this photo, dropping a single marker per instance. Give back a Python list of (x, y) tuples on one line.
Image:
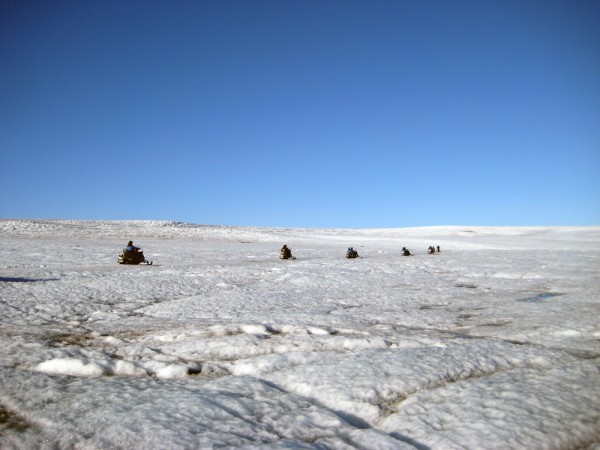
[(493, 343)]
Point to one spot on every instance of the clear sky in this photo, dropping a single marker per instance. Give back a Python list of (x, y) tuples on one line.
[(302, 113)]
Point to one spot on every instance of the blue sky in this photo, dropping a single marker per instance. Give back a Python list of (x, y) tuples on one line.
[(301, 113)]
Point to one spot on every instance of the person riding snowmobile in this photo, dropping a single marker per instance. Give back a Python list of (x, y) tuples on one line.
[(351, 253), (132, 255), (285, 253)]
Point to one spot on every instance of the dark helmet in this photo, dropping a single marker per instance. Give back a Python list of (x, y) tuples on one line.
[(130, 243)]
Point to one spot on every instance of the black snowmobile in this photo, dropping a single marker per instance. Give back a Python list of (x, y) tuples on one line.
[(286, 253), (351, 253), (133, 257)]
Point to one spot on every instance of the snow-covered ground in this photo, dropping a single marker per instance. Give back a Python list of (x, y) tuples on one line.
[(492, 343)]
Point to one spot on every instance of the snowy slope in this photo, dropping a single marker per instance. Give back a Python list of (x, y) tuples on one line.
[(492, 343)]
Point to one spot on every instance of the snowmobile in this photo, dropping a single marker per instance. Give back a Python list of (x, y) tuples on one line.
[(135, 257), (286, 253), (351, 253)]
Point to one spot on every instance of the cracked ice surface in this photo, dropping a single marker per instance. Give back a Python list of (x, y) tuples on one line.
[(492, 343)]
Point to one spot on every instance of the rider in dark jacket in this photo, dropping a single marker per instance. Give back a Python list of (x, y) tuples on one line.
[(351, 253), (285, 253)]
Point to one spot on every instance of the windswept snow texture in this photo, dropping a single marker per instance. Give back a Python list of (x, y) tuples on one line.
[(493, 343)]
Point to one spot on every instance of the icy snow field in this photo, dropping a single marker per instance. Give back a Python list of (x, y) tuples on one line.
[(494, 343)]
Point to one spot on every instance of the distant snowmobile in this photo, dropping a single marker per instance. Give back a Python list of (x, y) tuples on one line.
[(351, 253), (133, 257), (286, 253)]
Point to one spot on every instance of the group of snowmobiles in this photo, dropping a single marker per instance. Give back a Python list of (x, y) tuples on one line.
[(134, 255), (286, 253), (430, 250)]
